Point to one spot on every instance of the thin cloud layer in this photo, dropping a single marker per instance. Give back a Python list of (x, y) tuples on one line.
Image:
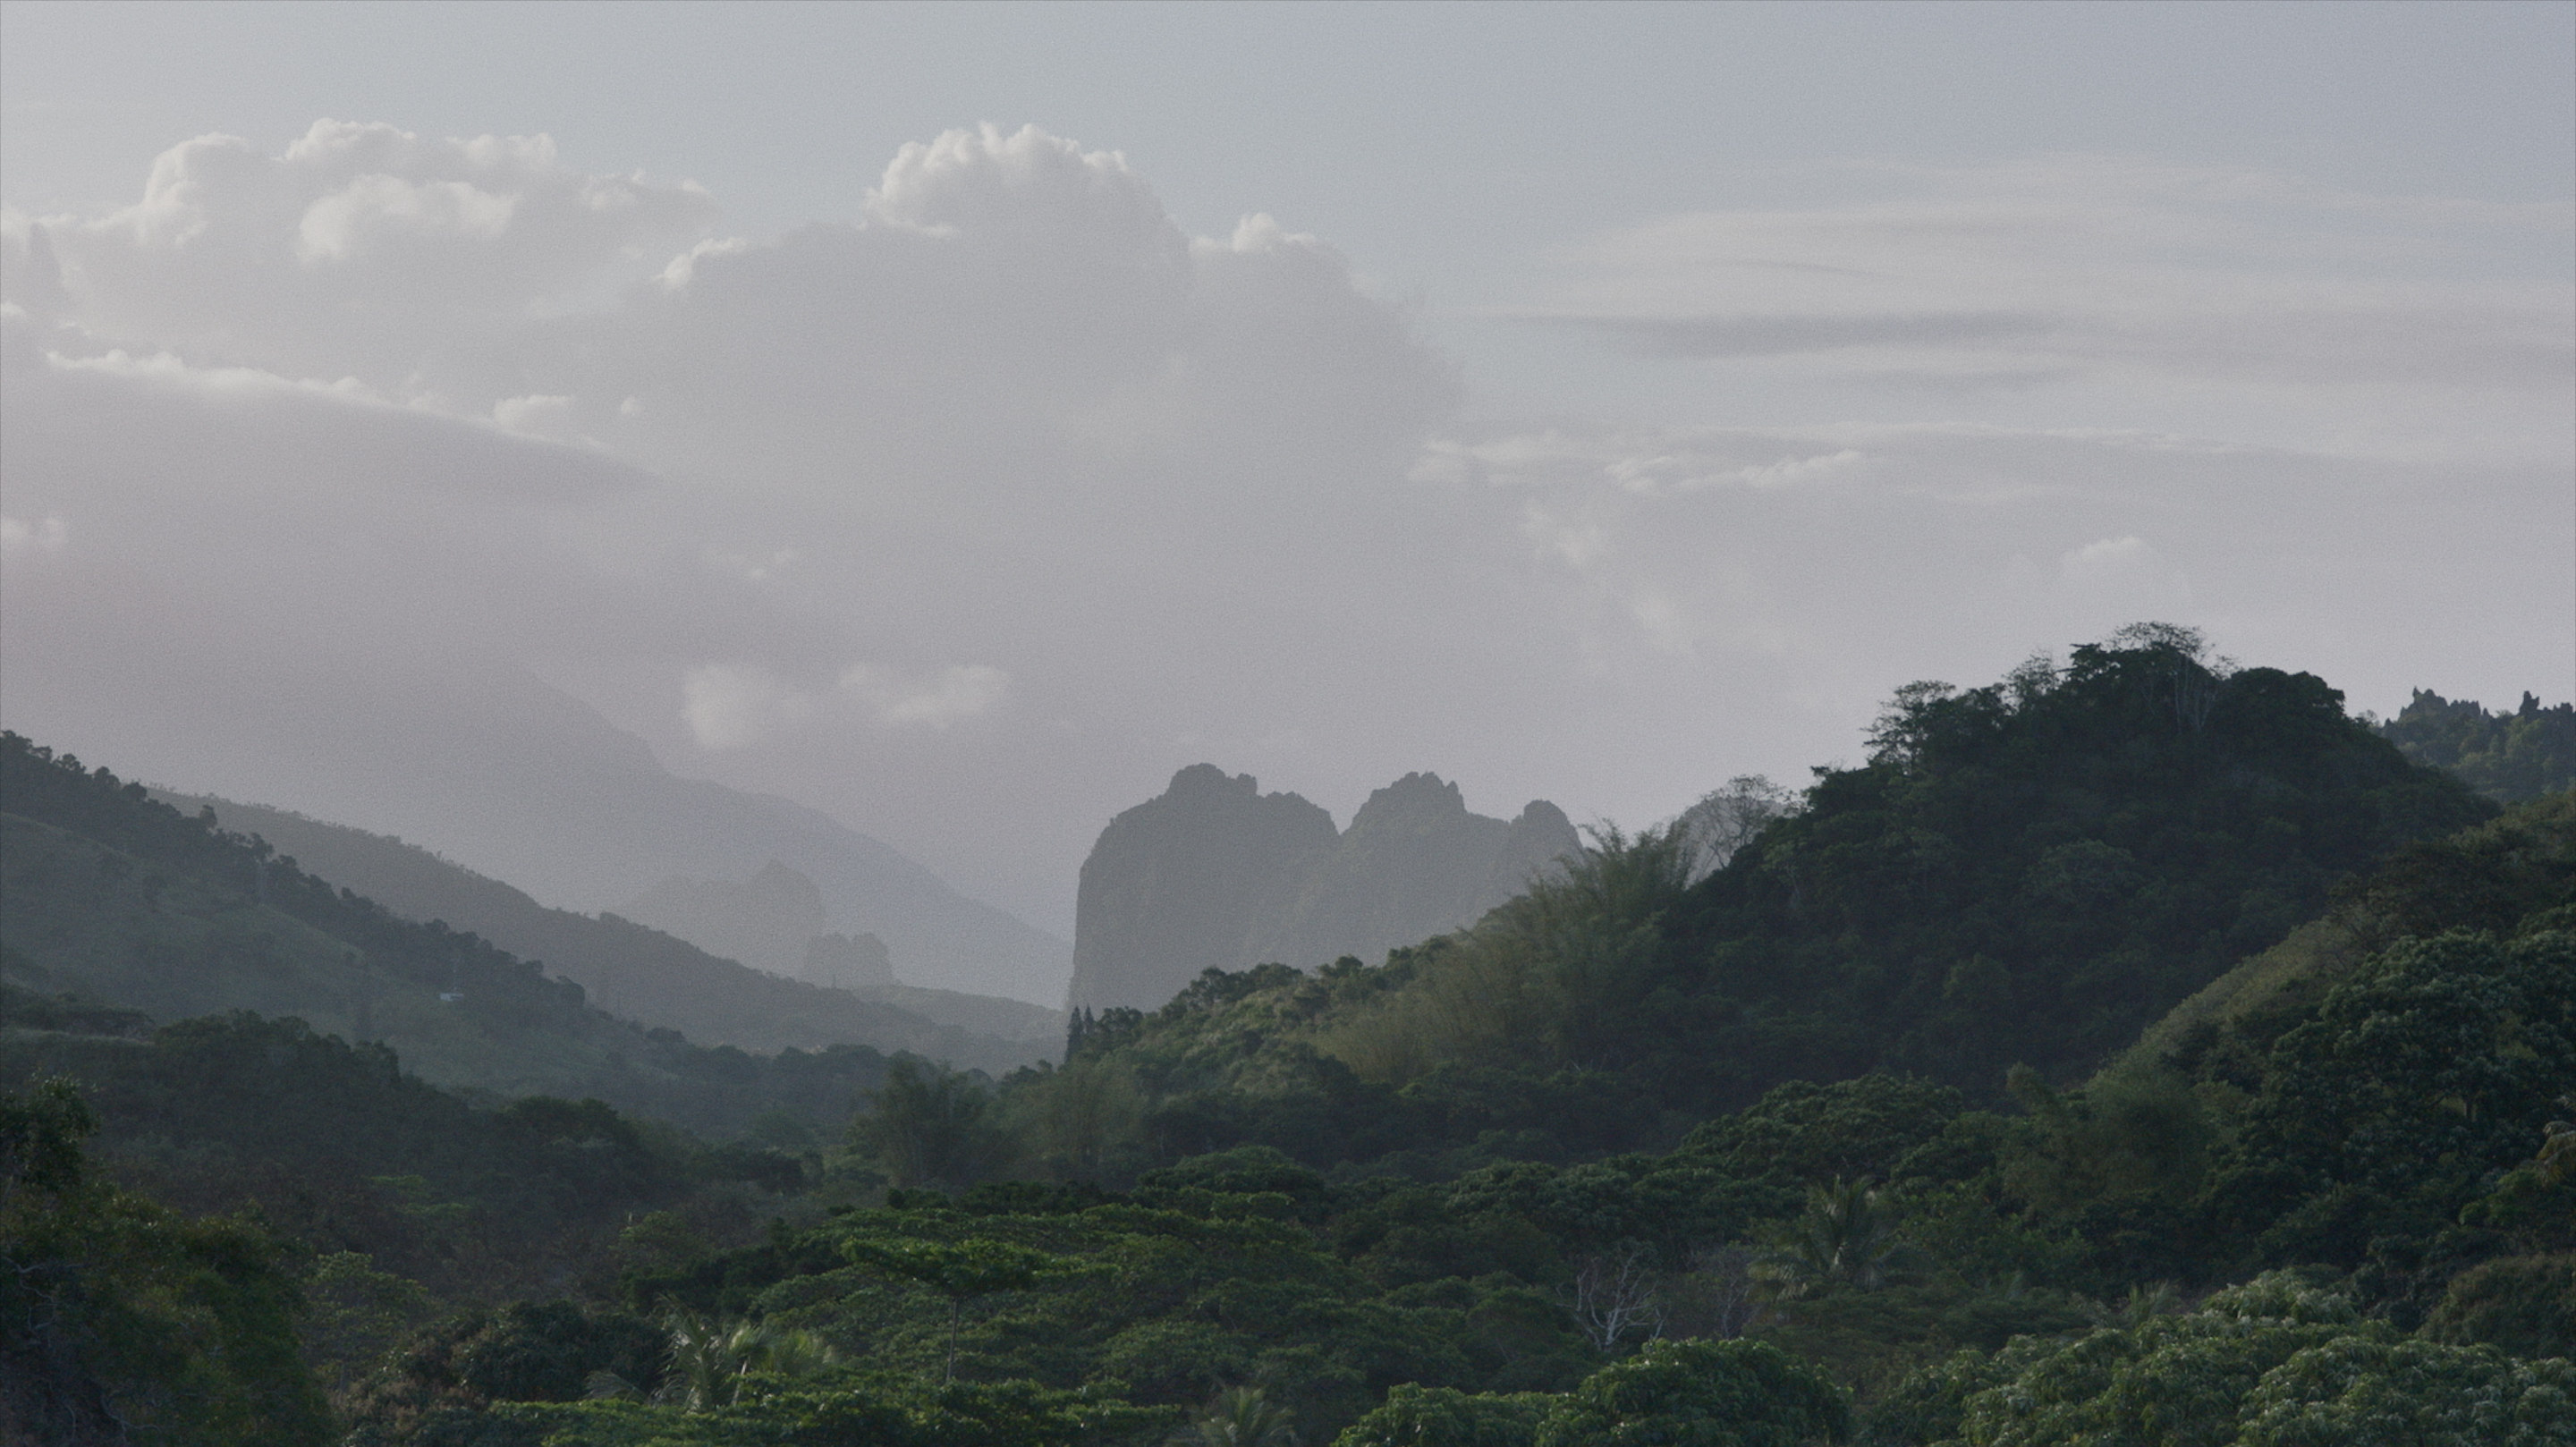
[(972, 517), (2083, 276)]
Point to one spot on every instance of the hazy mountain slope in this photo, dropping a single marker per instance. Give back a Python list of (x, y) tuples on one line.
[(109, 894), (519, 781), (642, 973), (107, 925), (1214, 873)]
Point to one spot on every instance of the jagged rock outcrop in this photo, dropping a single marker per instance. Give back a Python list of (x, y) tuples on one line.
[(1173, 885), (1214, 872)]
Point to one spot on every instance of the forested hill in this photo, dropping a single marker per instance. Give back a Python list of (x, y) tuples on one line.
[(2023, 873), (1539, 1183), (2034, 870), (130, 903), (2509, 757)]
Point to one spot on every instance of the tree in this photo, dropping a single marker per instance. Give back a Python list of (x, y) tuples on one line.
[(1241, 1417), (930, 1126), (1700, 1394), (1614, 1298), (1847, 1236), (957, 1270), (120, 1320), (711, 1360), (1419, 1416)]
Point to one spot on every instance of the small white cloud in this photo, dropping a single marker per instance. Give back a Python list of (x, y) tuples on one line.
[(959, 691), (536, 415), (2110, 559), (20, 538), (733, 706)]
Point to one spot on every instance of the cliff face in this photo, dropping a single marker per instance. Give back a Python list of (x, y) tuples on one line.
[(1173, 885), (1216, 873)]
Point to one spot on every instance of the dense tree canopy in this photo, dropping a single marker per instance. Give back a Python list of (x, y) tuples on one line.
[(2135, 1052)]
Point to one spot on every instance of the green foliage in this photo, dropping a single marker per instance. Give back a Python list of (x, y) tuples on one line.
[(454, 1369), (2509, 757), (2525, 1305), (2035, 870), (1552, 1179), (120, 1321), (1700, 1394), (2430, 1067), (874, 1409), (1241, 1417), (1848, 1236), (713, 1363), (929, 1125), (1414, 1416), (2278, 1362)]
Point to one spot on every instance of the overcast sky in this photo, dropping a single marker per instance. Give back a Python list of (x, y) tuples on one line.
[(958, 418)]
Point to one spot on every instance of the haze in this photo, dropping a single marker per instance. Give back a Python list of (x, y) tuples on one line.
[(959, 418)]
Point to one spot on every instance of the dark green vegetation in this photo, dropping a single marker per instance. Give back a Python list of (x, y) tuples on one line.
[(1631, 1161), (2509, 757)]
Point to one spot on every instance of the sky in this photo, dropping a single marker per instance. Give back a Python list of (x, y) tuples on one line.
[(958, 418)]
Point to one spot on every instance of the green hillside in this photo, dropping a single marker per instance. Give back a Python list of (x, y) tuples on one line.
[(2249, 1129), (2026, 873), (121, 901)]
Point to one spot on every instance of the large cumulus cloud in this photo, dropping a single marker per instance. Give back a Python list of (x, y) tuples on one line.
[(1009, 444), (972, 515)]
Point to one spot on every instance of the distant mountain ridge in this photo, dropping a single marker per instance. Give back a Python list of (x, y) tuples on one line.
[(518, 780), (642, 973), (1215, 873), (120, 901)]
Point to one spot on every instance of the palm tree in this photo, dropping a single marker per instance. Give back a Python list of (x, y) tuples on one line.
[(710, 1358), (1847, 1236), (1240, 1417)]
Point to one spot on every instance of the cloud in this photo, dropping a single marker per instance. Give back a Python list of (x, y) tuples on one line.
[(1012, 419), (406, 261), (733, 706), (1090, 498), (2092, 278), (20, 538), (377, 209), (1772, 336), (958, 692)]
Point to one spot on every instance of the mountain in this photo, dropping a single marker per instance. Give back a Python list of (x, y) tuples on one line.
[(693, 985), (774, 921), (1215, 873), (520, 781), (116, 899), (2027, 873)]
